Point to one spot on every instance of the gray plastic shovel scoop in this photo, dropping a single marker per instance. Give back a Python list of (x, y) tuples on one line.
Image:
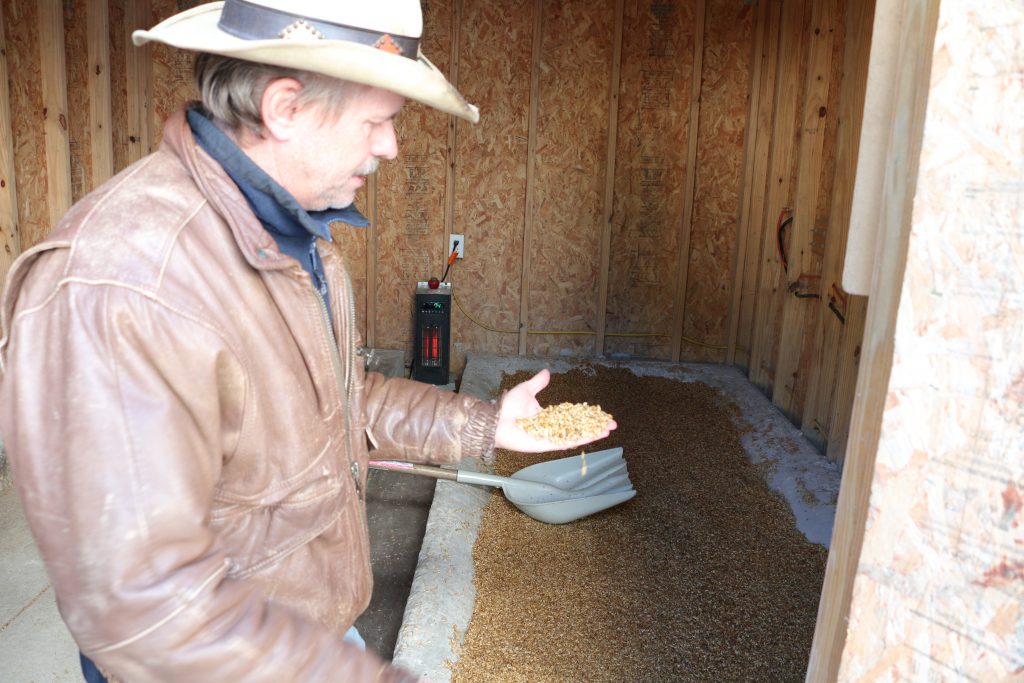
[(556, 491)]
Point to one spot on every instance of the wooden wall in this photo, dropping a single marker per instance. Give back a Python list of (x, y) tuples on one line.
[(619, 196)]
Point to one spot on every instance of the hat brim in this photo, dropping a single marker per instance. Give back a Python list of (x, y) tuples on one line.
[(196, 29)]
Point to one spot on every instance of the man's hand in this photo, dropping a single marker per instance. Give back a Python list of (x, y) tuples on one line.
[(521, 402)]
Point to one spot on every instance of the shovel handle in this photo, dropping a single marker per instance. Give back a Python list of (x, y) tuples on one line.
[(423, 470)]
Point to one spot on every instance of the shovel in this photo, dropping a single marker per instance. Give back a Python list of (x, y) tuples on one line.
[(556, 491)]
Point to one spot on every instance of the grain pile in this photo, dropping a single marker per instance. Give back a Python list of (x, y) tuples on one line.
[(566, 422), (702, 577)]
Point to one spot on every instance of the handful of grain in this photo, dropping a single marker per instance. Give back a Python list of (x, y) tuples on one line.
[(566, 422)]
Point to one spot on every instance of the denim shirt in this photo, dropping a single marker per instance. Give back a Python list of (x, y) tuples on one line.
[(293, 228)]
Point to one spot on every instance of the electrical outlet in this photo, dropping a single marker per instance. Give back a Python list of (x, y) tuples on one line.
[(458, 249)]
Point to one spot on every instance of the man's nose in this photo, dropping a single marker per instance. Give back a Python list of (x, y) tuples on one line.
[(385, 144)]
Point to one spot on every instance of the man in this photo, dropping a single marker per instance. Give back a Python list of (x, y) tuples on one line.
[(187, 416)]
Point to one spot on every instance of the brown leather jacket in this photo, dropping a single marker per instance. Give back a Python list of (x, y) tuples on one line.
[(189, 441)]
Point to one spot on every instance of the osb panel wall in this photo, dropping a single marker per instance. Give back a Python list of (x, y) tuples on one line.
[(654, 107), (725, 84), (490, 182), (938, 589), (172, 83), (410, 201), (26, 102), (562, 278)]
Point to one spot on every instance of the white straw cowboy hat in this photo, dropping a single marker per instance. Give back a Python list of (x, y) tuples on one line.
[(376, 42)]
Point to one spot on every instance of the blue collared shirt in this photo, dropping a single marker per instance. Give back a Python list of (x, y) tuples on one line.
[(293, 228)]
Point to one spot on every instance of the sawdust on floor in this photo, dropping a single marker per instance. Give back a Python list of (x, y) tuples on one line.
[(703, 576)]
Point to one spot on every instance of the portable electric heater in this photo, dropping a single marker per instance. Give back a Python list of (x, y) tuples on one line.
[(433, 333)]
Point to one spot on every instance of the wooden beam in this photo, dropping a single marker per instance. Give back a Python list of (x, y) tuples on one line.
[(531, 162), (753, 204), (909, 83), (785, 128), (609, 179), (138, 67), (10, 243), (101, 141), (835, 320), (804, 272), (686, 225), (53, 74)]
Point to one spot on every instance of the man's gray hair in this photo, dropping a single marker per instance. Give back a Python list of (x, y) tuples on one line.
[(231, 90)]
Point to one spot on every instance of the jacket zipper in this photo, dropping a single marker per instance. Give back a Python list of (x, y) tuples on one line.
[(345, 390)]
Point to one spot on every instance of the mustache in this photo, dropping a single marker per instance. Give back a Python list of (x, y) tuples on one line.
[(369, 168)]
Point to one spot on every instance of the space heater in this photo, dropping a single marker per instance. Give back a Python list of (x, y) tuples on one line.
[(433, 333)]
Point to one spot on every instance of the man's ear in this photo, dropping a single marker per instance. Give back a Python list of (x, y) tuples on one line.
[(280, 108)]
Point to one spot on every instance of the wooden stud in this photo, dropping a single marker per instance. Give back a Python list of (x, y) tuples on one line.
[(531, 160), (139, 73), (909, 83), (10, 243), (780, 180), (100, 117), (818, 423), (50, 19), (686, 225), (752, 204), (609, 179), (451, 147), (746, 187), (804, 272)]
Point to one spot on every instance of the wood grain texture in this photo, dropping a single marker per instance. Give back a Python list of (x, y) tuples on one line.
[(789, 88), (917, 35), (490, 186), (654, 105), (568, 200), (725, 84), (803, 276), (750, 238), (10, 241)]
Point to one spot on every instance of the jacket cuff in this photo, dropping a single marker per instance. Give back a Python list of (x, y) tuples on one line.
[(478, 434)]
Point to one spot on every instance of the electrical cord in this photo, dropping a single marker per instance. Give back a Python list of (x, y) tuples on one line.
[(487, 327)]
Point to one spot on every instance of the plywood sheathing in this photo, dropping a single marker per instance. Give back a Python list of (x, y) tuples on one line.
[(411, 200), (490, 187), (725, 83), (654, 107), (939, 591), (569, 175), (10, 242), (172, 81)]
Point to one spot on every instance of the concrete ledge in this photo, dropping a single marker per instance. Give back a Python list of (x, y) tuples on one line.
[(443, 594)]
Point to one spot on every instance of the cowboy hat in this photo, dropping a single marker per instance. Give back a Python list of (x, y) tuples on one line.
[(376, 43)]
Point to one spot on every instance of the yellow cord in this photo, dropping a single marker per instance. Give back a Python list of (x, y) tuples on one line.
[(583, 332)]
